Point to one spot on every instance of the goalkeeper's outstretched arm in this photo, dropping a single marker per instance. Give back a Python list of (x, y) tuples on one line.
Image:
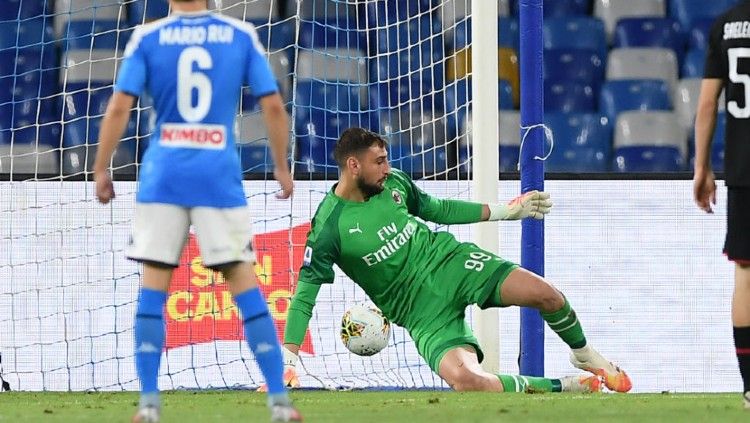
[(533, 204)]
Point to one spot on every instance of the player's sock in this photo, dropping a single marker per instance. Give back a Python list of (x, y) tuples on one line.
[(260, 334), (517, 383), (149, 341), (565, 323), (742, 345)]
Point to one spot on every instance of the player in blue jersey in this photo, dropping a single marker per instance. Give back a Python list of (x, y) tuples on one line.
[(193, 64)]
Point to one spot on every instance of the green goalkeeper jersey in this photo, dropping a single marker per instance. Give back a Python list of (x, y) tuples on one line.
[(380, 244)]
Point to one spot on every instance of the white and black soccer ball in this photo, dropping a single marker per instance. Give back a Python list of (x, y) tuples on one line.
[(364, 330)]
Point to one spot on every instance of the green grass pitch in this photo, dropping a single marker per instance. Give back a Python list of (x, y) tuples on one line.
[(379, 407)]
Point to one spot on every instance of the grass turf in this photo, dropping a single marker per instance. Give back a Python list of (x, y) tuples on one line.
[(379, 407)]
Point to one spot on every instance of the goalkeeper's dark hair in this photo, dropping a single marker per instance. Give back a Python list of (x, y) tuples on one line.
[(353, 142)]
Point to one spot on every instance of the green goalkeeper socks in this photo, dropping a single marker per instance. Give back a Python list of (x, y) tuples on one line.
[(517, 383), (565, 323)]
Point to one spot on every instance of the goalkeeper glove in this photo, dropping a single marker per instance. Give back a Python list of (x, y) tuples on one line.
[(531, 204), (290, 372)]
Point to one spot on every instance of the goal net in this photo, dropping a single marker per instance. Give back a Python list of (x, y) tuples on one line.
[(68, 301)]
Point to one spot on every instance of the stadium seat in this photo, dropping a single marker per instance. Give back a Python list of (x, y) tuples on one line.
[(385, 12), (89, 67), (612, 11), (251, 128), (643, 63), (245, 10), (34, 32), (646, 129), (698, 35), (693, 65), (620, 96), (275, 35), (568, 97), (419, 160), (140, 11), (575, 32), (650, 32), (98, 34), (458, 96), (509, 141), (23, 9), (420, 81), (320, 9), (558, 8), (80, 158), (28, 159), (337, 33), (687, 12), (460, 36), (686, 100), (644, 159), (582, 142), (255, 157), (508, 70), (29, 132), (341, 64), (575, 65), (84, 10)]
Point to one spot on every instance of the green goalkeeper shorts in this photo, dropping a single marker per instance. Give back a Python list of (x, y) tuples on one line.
[(468, 275)]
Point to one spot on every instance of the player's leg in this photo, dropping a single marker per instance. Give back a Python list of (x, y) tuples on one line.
[(460, 368), (159, 234), (526, 289), (737, 249), (225, 238), (741, 323)]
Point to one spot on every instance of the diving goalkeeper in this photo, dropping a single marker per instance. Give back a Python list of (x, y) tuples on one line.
[(423, 280)]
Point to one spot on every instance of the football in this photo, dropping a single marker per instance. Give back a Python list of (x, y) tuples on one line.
[(364, 330)]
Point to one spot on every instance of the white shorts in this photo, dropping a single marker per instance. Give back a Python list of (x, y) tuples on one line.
[(161, 230)]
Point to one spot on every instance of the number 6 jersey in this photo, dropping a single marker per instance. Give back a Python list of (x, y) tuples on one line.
[(193, 65), (728, 59)]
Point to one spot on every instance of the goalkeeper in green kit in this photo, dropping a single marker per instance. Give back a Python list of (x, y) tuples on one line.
[(423, 280)]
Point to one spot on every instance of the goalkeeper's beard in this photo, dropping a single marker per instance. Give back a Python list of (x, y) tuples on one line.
[(368, 190)]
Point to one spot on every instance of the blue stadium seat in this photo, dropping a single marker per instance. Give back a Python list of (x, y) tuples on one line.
[(317, 9), (650, 32), (31, 32), (648, 159), (572, 64), (568, 97), (575, 32), (507, 32), (582, 142), (24, 9), (255, 158), (419, 160), (140, 11), (687, 12), (693, 65), (323, 111), (84, 102), (281, 33), (622, 95), (340, 33), (699, 34), (509, 155), (384, 12), (558, 8), (93, 34)]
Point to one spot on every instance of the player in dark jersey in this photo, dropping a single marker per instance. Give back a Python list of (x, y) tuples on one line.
[(728, 68), (193, 64), (369, 226)]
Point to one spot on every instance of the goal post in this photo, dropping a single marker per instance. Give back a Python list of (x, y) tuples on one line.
[(485, 126)]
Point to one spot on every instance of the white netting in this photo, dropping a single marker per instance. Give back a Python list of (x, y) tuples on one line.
[(66, 314)]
